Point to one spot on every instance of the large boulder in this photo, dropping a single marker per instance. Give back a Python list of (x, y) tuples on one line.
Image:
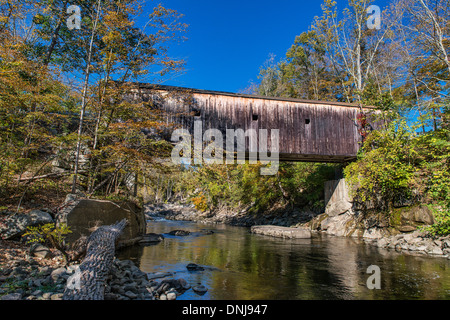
[(407, 219), (84, 215), (343, 225), (12, 226)]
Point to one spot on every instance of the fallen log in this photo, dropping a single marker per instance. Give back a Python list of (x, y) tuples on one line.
[(89, 281)]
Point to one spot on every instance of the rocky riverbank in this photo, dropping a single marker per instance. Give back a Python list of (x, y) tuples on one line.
[(416, 242), (25, 276), (241, 218)]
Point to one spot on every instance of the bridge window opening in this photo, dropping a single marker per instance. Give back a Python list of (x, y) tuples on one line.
[(307, 121), (255, 117)]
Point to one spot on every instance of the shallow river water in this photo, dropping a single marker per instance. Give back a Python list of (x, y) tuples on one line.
[(255, 267)]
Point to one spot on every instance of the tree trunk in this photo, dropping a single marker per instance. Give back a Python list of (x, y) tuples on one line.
[(89, 282), (55, 34), (84, 100)]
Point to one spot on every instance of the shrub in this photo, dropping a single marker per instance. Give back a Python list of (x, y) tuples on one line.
[(48, 234), (442, 218), (384, 171)]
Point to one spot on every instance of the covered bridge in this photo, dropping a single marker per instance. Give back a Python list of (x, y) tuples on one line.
[(313, 131)]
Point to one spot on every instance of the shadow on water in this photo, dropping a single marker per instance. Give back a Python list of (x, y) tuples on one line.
[(252, 267)]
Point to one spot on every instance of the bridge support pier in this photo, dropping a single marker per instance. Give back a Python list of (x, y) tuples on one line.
[(337, 198)]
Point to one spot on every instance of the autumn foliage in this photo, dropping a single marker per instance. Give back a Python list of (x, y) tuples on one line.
[(61, 102)]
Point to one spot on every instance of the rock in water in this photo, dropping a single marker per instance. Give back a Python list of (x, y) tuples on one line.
[(282, 232), (151, 238), (179, 233), (194, 267), (201, 290)]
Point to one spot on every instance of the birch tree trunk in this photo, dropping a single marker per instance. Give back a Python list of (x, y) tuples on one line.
[(84, 99)]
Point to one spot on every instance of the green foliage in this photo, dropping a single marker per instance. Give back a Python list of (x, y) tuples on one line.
[(48, 233), (385, 170), (234, 186), (398, 163), (441, 215)]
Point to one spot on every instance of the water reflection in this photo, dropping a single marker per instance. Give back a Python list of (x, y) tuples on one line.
[(259, 267)]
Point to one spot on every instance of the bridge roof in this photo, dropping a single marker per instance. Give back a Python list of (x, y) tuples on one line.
[(240, 95)]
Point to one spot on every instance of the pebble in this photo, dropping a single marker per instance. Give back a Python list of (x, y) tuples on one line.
[(131, 295), (56, 296), (171, 296)]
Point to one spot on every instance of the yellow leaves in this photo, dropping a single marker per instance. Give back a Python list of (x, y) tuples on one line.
[(200, 202), (113, 38)]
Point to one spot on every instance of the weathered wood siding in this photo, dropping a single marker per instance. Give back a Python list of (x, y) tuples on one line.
[(308, 130)]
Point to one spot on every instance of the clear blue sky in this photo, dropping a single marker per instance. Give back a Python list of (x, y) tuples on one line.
[(228, 41)]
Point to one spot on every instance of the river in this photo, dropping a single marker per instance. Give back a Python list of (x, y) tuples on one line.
[(245, 266)]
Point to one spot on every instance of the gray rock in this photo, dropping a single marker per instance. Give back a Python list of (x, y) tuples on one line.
[(194, 267), (179, 233), (200, 289), (131, 287), (341, 226), (158, 275), (14, 225), (111, 296), (434, 250), (138, 274), (171, 296), (12, 296), (47, 295), (406, 228), (282, 232), (81, 214), (40, 251), (118, 289), (36, 293), (151, 238), (184, 284), (373, 233), (422, 248), (56, 296), (131, 295), (446, 243), (382, 243), (58, 273)]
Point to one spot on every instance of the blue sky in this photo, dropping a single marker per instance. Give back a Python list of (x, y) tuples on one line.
[(228, 41)]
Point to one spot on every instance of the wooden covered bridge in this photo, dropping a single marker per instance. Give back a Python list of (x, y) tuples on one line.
[(313, 131)]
